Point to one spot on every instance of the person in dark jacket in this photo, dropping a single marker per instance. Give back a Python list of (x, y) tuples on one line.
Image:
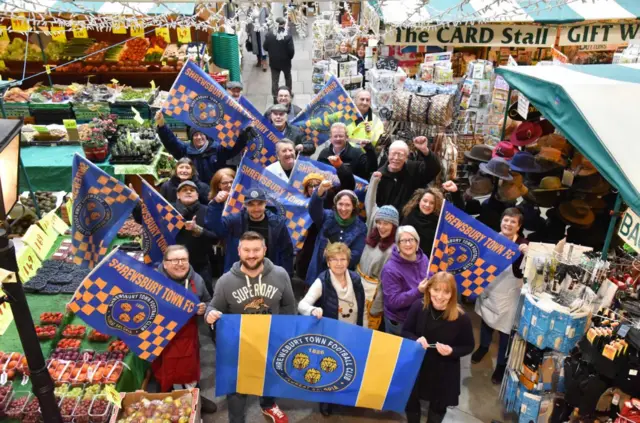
[(285, 97), (423, 212), (280, 48), (401, 177), (278, 117), (253, 217), (194, 235), (337, 294), (438, 320), (341, 224), (362, 163), (206, 156), (184, 171)]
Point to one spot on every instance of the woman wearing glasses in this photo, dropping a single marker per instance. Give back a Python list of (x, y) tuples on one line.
[(403, 278), (337, 293)]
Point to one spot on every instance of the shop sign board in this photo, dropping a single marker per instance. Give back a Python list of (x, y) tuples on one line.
[(598, 34), (475, 35), (629, 229)]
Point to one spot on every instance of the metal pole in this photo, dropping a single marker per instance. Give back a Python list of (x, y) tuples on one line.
[(41, 382), (612, 225), (44, 59), (506, 114)]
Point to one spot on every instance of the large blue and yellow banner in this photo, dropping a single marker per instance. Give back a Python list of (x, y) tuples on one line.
[(332, 104), (161, 224), (261, 148), (200, 102), (128, 299), (282, 198), (305, 165), (319, 360), (473, 252), (101, 204)]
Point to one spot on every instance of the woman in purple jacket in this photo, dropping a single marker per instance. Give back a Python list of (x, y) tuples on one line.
[(403, 277)]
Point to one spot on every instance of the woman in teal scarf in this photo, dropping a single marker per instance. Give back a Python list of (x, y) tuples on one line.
[(341, 224)]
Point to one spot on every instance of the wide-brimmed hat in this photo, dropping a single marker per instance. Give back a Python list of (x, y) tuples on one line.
[(550, 158), (592, 184), (533, 115), (479, 153), (556, 141), (504, 149), (498, 167), (512, 190), (524, 162), (547, 127), (550, 183), (595, 202), (584, 165), (479, 185), (577, 212), (545, 198), (526, 133)]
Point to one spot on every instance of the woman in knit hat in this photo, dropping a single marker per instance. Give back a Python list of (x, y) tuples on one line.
[(382, 223), (404, 278), (341, 224), (423, 211)]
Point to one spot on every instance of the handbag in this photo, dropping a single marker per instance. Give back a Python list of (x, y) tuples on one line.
[(248, 45), (411, 107)]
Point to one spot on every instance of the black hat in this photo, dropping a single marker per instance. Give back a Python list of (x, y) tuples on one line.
[(255, 194), (280, 21)]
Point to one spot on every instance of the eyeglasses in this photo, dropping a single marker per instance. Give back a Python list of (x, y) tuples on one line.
[(313, 184), (398, 154), (338, 260), (407, 241), (178, 261)]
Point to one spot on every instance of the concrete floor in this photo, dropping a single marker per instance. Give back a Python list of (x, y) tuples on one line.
[(479, 397)]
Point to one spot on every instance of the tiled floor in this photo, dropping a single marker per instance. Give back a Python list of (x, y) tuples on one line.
[(479, 397)]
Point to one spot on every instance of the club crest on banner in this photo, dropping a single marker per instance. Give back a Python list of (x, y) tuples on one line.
[(131, 313), (206, 111), (91, 214), (315, 363)]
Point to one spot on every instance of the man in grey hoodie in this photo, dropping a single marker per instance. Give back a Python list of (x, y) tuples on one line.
[(254, 285)]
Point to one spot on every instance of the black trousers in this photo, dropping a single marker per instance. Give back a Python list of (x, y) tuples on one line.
[(435, 415), (275, 81)]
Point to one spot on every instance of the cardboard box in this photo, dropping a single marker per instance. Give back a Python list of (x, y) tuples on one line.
[(129, 398)]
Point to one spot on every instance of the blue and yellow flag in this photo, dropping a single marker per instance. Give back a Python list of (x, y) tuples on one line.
[(101, 204), (128, 299), (281, 197), (200, 102), (262, 148), (161, 224), (318, 360), (332, 104), (473, 252), (305, 165)]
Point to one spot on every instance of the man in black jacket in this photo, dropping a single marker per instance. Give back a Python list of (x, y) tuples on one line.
[(401, 177), (285, 97), (280, 48), (278, 117), (362, 163)]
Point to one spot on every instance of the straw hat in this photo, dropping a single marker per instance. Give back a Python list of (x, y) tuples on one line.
[(586, 167), (512, 190), (577, 212)]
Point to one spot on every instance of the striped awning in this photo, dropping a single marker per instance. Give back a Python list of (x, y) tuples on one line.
[(594, 107), (410, 11), (104, 8)]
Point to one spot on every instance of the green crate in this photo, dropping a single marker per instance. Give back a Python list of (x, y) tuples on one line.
[(85, 112), (50, 106), (17, 110)]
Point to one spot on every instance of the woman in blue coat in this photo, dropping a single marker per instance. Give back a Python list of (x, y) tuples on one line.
[(206, 156), (341, 224)]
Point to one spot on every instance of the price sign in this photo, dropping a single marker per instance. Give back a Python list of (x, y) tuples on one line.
[(58, 34), (47, 226), (80, 30), (164, 33), (28, 263), (137, 30), (19, 24), (47, 69), (184, 34), (41, 129), (114, 81), (70, 124), (136, 116), (58, 224), (4, 34), (118, 28), (113, 396), (39, 241), (6, 317), (153, 84)]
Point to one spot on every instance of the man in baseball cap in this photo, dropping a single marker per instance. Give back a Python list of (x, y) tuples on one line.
[(255, 217)]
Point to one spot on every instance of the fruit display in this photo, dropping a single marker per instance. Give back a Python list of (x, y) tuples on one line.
[(46, 332), (46, 201), (99, 57), (51, 318), (15, 51), (76, 47), (23, 366), (101, 356), (130, 229), (63, 253), (67, 405), (70, 354), (118, 345), (87, 355), (96, 336), (81, 412), (75, 392), (100, 410), (31, 411), (9, 363), (56, 277), (60, 391), (54, 51), (154, 54), (79, 372), (57, 94), (113, 55), (74, 331), (18, 95), (69, 343), (175, 410), (91, 391), (16, 406), (56, 368), (94, 93), (5, 396), (21, 226), (135, 94), (134, 50)]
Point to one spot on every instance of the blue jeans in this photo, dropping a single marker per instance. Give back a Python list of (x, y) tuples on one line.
[(392, 328), (486, 336)]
